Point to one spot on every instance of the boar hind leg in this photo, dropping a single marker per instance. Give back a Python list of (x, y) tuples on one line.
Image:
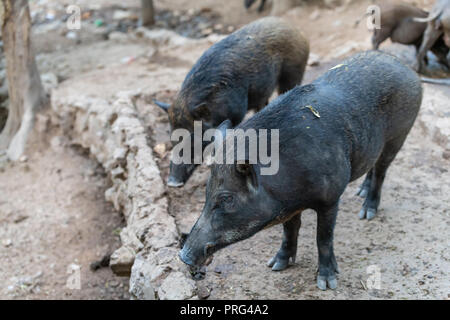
[(441, 53), (365, 187), (370, 206), (261, 6), (288, 248), (379, 36), (326, 219), (425, 59), (290, 76), (429, 38)]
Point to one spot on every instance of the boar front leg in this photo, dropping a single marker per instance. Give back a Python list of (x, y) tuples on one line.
[(379, 36), (326, 220), (261, 6), (288, 246)]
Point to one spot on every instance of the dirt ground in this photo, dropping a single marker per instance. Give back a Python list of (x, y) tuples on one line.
[(53, 213), (54, 221)]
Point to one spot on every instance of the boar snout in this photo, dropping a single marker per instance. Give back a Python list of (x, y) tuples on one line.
[(200, 244), (196, 258), (184, 256), (179, 174)]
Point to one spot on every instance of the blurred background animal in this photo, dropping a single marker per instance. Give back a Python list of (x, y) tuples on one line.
[(397, 22), (437, 27)]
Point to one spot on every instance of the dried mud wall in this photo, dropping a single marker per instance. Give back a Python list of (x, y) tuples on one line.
[(115, 136)]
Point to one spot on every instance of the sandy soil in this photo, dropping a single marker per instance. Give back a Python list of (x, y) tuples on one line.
[(53, 213)]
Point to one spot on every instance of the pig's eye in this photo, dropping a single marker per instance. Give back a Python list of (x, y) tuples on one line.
[(225, 201)]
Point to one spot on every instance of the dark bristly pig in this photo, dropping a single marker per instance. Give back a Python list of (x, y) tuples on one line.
[(437, 27), (236, 74), (397, 23), (349, 122)]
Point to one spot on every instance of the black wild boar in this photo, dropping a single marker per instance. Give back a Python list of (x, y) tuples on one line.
[(234, 75), (351, 121), (437, 27), (397, 23)]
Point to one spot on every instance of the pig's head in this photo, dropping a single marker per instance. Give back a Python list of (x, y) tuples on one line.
[(237, 206), (182, 117)]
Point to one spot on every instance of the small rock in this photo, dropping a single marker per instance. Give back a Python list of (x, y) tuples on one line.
[(337, 23), (23, 159), (315, 15), (7, 242), (57, 143), (203, 292), (207, 31), (127, 60), (446, 154), (313, 60), (160, 149), (50, 15), (176, 287), (49, 81), (121, 261), (20, 218), (124, 15), (71, 35), (118, 36)]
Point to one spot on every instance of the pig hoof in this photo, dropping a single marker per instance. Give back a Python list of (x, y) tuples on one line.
[(371, 213), (362, 214), (323, 281), (174, 184), (368, 214), (278, 264), (362, 192)]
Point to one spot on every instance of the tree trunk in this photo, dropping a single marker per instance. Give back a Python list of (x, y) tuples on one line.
[(26, 94), (147, 13)]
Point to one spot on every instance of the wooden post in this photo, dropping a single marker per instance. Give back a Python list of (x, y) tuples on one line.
[(26, 94)]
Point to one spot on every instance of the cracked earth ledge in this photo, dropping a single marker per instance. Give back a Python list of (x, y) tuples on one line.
[(116, 137)]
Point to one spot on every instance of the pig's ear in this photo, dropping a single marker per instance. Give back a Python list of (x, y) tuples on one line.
[(246, 169), (162, 105), (201, 111), (222, 128)]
